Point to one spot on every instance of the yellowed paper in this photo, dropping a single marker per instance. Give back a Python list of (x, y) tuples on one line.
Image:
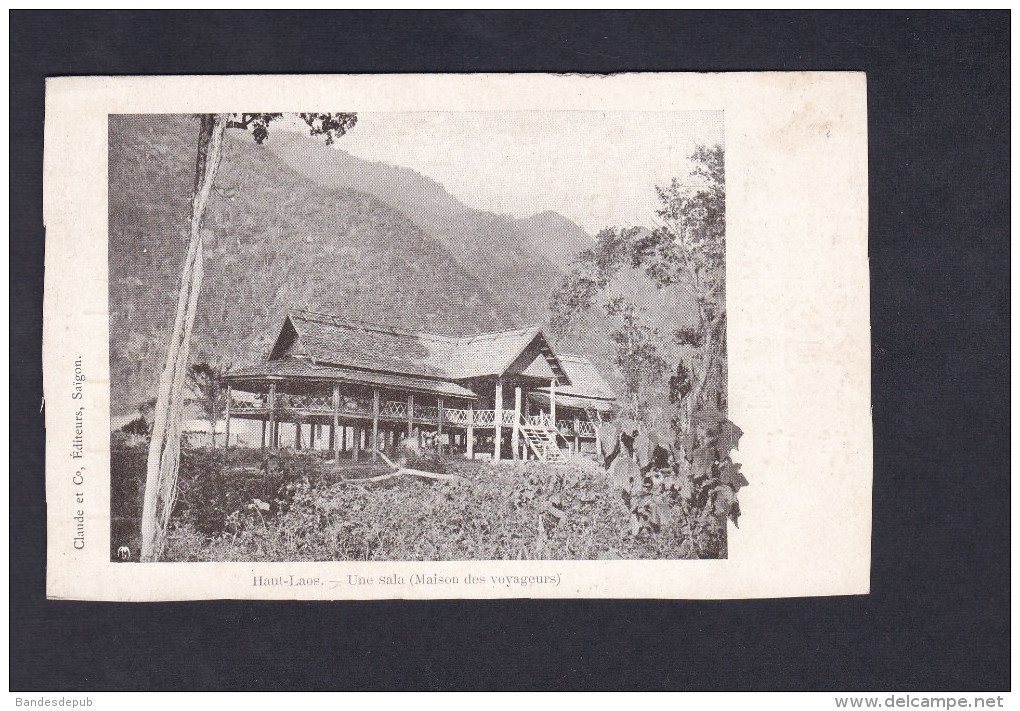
[(796, 303)]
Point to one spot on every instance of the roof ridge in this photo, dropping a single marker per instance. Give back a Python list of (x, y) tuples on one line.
[(371, 326), (524, 329)]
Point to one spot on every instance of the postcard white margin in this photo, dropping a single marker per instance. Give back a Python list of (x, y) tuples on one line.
[(798, 311)]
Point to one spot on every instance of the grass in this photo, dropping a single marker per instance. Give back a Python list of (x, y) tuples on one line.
[(300, 508)]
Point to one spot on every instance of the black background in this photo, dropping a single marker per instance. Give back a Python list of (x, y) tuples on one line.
[(938, 614)]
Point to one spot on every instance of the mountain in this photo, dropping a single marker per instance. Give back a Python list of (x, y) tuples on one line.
[(522, 260), (274, 239)]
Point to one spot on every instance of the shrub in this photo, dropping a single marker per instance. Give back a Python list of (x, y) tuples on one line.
[(216, 492), (291, 506), (511, 510)]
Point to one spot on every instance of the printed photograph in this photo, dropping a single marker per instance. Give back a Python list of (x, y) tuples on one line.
[(419, 336)]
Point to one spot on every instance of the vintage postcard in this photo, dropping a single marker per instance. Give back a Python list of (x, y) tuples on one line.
[(472, 336)]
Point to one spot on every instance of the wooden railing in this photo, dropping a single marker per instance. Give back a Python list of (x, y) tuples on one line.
[(462, 418), (398, 410), (308, 403), (426, 414), (540, 420), (392, 408), (260, 404), (485, 418)]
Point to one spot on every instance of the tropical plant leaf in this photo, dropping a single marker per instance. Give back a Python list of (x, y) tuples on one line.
[(723, 498), (623, 471), (727, 438), (729, 473), (609, 438), (735, 513), (644, 449), (686, 489), (701, 464)]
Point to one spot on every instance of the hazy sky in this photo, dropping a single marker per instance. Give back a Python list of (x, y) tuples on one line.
[(597, 168)]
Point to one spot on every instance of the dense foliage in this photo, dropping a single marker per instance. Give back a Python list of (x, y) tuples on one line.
[(297, 507), (208, 389), (686, 251)]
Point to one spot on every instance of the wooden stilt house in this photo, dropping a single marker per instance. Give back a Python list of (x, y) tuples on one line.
[(348, 387)]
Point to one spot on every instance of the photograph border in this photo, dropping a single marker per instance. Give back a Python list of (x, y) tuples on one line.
[(938, 615)]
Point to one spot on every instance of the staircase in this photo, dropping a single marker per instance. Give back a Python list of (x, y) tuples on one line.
[(540, 434)]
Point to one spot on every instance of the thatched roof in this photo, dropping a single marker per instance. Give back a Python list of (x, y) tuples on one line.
[(296, 369), (330, 340)]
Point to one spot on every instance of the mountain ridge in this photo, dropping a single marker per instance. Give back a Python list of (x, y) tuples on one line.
[(275, 240), (520, 257)]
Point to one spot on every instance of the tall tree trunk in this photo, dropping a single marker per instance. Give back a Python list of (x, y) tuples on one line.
[(165, 445)]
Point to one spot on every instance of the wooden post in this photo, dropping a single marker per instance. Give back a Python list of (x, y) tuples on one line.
[(471, 431), (356, 444), (297, 432), (577, 435), (440, 415), (498, 423), (333, 434), (515, 437), (375, 423), (410, 414), (343, 442), (272, 416), (552, 401), (263, 434), (226, 442), (311, 433)]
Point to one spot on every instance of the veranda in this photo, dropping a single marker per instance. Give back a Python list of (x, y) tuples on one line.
[(353, 421)]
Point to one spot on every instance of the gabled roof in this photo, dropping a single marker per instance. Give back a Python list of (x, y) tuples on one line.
[(326, 339), (585, 379), (344, 342), (497, 353), (293, 369)]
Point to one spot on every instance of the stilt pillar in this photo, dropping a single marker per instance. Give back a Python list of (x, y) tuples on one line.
[(515, 437), (272, 416), (471, 431), (375, 424), (226, 442), (333, 434), (440, 416), (498, 421), (552, 401)]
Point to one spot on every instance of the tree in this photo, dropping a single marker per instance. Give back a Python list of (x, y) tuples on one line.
[(688, 247), (637, 355), (586, 288), (686, 250), (165, 443), (206, 382)]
